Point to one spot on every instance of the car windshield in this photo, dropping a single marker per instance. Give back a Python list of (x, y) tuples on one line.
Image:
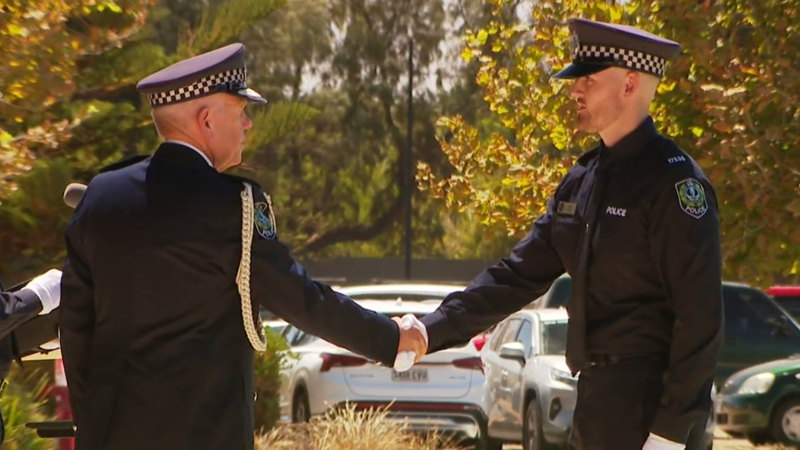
[(554, 338)]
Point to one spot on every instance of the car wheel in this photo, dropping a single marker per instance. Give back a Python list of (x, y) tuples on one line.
[(301, 412), (786, 422), (532, 437)]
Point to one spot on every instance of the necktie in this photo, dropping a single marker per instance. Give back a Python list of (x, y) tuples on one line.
[(576, 330)]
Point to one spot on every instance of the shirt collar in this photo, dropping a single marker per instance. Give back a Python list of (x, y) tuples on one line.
[(633, 142), (174, 141)]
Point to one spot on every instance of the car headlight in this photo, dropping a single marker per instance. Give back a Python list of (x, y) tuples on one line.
[(757, 384), (563, 376)]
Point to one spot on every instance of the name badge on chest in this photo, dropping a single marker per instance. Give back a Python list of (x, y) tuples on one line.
[(566, 208)]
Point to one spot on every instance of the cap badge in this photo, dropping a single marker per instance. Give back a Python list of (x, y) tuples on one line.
[(574, 45)]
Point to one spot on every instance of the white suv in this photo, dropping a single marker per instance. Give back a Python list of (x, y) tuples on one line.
[(530, 390)]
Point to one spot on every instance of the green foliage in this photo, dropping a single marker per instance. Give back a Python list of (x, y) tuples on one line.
[(22, 402), (270, 124), (729, 99), (267, 367), (29, 218)]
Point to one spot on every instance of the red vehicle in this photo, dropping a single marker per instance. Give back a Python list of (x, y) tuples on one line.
[(788, 297)]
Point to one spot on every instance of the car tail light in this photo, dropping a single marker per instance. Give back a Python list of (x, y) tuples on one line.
[(472, 363), (479, 341), (330, 360)]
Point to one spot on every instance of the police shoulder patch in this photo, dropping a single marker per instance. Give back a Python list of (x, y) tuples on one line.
[(692, 197), (264, 220)]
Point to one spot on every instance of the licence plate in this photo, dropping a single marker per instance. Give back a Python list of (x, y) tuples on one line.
[(414, 375)]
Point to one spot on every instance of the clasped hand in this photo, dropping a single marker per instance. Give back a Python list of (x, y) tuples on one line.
[(413, 342)]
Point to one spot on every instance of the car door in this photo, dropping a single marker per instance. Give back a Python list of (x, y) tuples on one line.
[(515, 380), (501, 408), (490, 357)]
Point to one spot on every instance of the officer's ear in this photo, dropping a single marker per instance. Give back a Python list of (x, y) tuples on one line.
[(632, 82), (203, 118)]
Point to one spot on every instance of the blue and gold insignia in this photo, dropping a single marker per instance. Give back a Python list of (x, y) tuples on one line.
[(264, 220), (692, 197)]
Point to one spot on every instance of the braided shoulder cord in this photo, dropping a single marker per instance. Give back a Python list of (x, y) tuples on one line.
[(256, 338)]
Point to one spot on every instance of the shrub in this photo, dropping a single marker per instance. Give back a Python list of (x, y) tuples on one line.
[(267, 382), (351, 429), (23, 402)]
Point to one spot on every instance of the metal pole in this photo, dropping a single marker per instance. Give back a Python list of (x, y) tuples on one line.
[(409, 165)]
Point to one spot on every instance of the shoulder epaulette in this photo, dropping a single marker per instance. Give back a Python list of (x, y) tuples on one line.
[(124, 163), (240, 179)]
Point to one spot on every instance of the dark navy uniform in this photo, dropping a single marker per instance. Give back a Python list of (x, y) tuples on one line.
[(16, 308), (151, 331), (636, 227), (155, 351)]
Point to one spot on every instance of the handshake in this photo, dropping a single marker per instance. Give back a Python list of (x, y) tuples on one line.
[(413, 343)]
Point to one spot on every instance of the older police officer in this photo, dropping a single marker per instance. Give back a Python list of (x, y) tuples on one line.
[(166, 260), (635, 224)]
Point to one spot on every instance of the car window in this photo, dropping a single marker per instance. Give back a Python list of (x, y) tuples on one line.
[(510, 333), (554, 338), (750, 313), (524, 336), (559, 292), (790, 303), (497, 336)]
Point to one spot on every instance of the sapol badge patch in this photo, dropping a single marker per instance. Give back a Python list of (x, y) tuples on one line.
[(692, 197), (264, 220)]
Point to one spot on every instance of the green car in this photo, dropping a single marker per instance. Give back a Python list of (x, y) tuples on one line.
[(762, 403)]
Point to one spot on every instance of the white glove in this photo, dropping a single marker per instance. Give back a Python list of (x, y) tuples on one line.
[(47, 287), (656, 442), (404, 360)]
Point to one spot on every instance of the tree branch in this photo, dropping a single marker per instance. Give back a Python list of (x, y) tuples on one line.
[(361, 232)]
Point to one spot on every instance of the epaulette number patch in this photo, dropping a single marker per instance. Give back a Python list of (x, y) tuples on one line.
[(264, 220), (692, 197)]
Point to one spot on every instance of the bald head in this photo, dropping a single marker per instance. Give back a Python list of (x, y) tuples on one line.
[(214, 124)]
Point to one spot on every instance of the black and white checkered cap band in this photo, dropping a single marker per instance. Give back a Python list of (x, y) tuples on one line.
[(228, 81), (632, 59)]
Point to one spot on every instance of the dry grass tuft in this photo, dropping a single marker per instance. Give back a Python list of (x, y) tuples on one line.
[(348, 429)]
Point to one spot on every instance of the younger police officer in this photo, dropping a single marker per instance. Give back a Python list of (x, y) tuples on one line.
[(635, 224), (165, 255)]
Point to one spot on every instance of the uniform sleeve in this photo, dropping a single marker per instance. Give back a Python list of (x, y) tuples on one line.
[(498, 291), (17, 308), (282, 286), (685, 246), (77, 318)]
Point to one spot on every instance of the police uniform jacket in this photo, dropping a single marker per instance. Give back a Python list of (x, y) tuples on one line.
[(648, 279), (16, 308), (154, 348)]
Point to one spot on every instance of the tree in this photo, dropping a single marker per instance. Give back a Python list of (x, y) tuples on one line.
[(42, 42), (729, 100), (349, 60), (97, 117)]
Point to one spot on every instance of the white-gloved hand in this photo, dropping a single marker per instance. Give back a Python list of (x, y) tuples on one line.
[(47, 287), (404, 360), (656, 442)]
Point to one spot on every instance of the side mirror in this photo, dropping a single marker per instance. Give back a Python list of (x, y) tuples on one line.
[(514, 351)]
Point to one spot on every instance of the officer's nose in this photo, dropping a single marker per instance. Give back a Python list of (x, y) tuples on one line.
[(576, 90)]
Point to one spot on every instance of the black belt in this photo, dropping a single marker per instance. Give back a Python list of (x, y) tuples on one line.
[(605, 359)]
